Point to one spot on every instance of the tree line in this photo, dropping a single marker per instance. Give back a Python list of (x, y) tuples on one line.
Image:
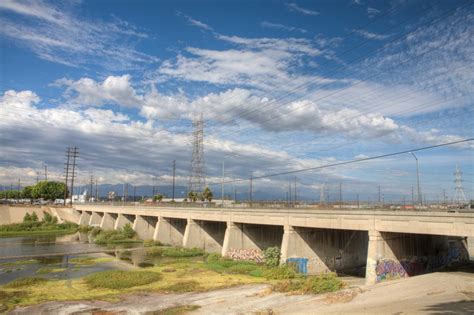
[(47, 190)]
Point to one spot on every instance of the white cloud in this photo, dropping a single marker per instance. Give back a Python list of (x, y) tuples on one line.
[(282, 27), (55, 34), (372, 12), (195, 22), (371, 35), (294, 7), (114, 89)]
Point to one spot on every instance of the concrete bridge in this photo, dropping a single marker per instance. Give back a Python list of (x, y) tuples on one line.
[(382, 244)]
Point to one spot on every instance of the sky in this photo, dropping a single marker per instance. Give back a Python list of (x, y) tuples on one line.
[(282, 86)]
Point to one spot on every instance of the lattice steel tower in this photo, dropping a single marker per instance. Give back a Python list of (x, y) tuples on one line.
[(459, 196), (197, 181)]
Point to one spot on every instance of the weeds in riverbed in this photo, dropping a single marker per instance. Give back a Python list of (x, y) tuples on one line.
[(46, 270), (123, 235), (20, 262), (117, 279), (323, 283), (224, 265), (177, 252), (25, 282)]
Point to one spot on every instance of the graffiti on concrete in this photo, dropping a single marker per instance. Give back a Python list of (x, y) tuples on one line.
[(300, 264), (387, 269), (246, 254)]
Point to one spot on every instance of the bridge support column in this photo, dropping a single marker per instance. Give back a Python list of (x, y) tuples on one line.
[(170, 231), (202, 234), (374, 254), (250, 237), (84, 218), (95, 219), (123, 219), (144, 226), (108, 221)]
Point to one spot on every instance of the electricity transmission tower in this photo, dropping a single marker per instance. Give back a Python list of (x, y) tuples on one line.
[(71, 155), (197, 180), (459, 196), (322, 199)]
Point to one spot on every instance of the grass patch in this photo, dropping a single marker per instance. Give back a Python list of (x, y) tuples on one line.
[(177, 310), (327, 282), (19, 262), (183, 287), (151, 243), (87, 260), (10, 298), (124, 235), (176, 252), (46, 270), (280, 273), (117, 279), (35, 227), (25, 282), (224, 265)]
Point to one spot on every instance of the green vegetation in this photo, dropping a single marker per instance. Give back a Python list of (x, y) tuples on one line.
[(25, 282), (32, 225), (280, 273), (87, 260), (47, 190), (272, 256), (19, 262), (46, 270), (175, 252), (207, 194), (224, 265), (117, 279), (151, 243), (123, 235), (327, 282), (158, 198)]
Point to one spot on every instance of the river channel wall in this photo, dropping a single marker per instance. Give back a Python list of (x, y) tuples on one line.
[(15, 214)]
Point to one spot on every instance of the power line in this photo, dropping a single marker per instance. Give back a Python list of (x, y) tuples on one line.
[(353, 161)]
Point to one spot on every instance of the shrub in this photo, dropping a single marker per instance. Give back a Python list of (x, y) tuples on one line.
[(128, 231), (27, 218), (25, 282), (213, 258), (327, 282), (182, 252), (34, 217), (280, 273), (272, 256), (117, 279)]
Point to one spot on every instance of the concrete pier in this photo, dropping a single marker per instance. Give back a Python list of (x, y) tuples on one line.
[(204, 234), (145, 226), (123, 219), (85, 218), (108, 221), (170, 231)]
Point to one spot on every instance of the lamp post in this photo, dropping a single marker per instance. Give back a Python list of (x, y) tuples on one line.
[(419, 199)]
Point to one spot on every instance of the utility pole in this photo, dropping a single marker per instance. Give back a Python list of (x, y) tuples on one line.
[(134, 193), (91, 186), (459, 196), (174, 177), (340, 195), (37, 178), (358, 203), (296, 198), (46, 173), (412, 196), (96, 190), (289, 193), (380, 196), (250, 190), (153, 192), (68, 156), (222, 185), (74, 152)]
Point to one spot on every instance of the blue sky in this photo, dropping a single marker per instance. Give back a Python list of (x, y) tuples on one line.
[(282, 86)]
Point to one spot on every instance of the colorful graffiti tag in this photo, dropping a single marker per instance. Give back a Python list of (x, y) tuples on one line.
[(387, 269)]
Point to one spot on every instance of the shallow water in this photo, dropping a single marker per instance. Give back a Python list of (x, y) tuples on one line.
[(28, 256)]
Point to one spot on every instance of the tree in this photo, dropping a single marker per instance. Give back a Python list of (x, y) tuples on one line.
[(193, 196), (158, 198), (27, 192), (207, 194), (49, 190)]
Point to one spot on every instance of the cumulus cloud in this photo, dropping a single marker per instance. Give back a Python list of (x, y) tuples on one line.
[(55, 33), (114, 89)]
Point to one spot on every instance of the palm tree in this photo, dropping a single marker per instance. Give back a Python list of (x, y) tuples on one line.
[(207, 194)]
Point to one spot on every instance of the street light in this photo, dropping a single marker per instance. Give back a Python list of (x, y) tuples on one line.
[(420, 200)]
